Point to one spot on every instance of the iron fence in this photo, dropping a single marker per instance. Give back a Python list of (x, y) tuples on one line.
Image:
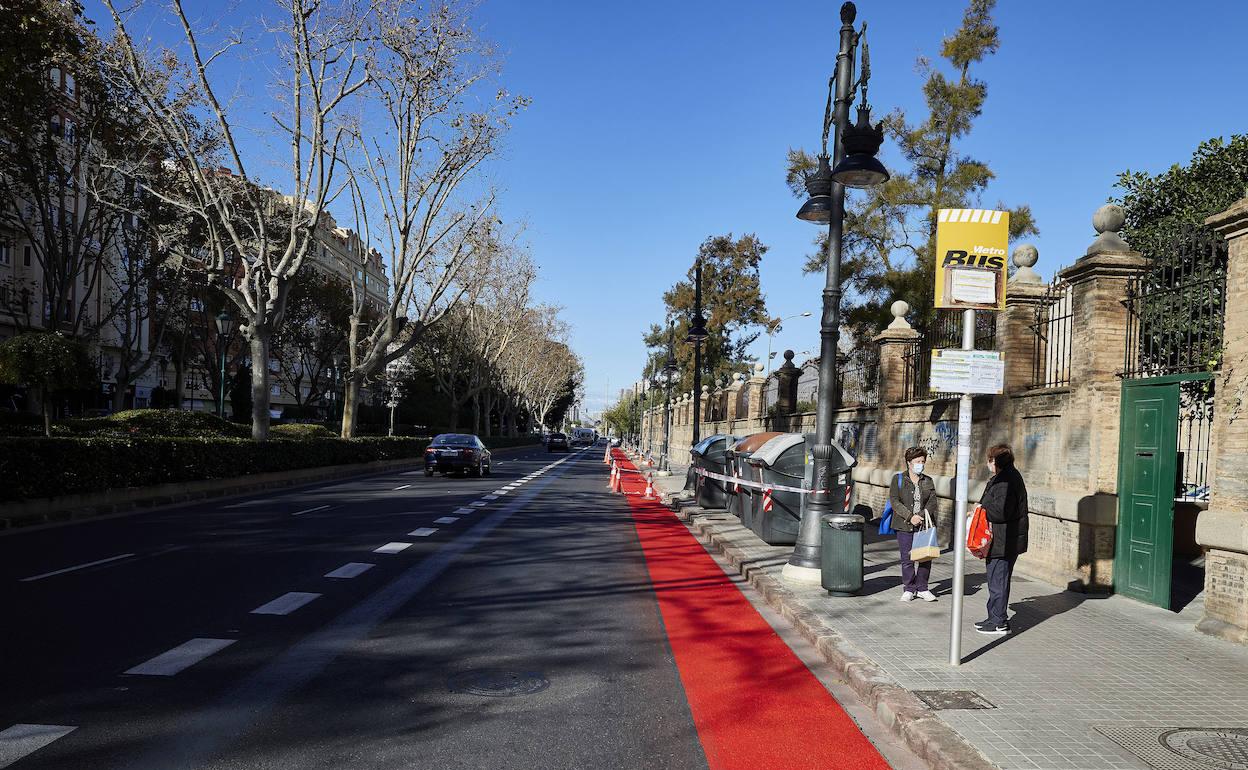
[(860, 379), (1195, 439), (1051, 341), (944, 331), (1176, 308)]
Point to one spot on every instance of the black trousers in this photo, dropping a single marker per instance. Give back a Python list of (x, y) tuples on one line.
[(999, 573)]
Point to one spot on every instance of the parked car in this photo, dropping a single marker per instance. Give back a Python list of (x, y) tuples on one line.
[(457, 453), (556, 441)]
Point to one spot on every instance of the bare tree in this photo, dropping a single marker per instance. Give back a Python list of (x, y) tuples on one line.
[(319, 47), (410, 160)]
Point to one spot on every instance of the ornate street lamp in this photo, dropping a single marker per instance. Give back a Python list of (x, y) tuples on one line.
[(669, 377), (225, 327), (826, 205), (697, 335)]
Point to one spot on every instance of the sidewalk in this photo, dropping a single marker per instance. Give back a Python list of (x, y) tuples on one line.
[(1079, 680)]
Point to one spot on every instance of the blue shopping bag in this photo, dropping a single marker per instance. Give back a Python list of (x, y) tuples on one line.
[(886, 521)]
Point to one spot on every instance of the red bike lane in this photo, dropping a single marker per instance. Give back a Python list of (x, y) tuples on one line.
[(755, 704)]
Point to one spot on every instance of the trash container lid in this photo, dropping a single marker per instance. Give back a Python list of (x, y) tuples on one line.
[(769, 453), (752, 442), (704, 446)]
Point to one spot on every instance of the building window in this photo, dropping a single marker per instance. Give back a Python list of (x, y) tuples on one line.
[(276, 390), (26, 257), (6, 253), (71, 87), (197, 305), (69, 130), (55, 75)]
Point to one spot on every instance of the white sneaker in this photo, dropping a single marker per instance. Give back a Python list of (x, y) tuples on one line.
[(907, 596), (927, 596)]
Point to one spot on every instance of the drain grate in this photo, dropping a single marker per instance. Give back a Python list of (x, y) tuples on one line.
[(1185, 748), (948, 700), (497, 683)]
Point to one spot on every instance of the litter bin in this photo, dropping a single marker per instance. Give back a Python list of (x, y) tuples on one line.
[(709, 455), (739, 497), (781, 462), (840, 553)]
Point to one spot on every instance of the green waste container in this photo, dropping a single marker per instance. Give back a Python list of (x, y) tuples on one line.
[(840, 557)]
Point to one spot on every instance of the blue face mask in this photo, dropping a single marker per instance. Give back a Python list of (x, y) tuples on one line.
[(918, 468)]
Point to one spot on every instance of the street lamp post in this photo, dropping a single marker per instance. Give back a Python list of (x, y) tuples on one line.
[(669, 378), (697, 334), (775, 327), (854, 149), (225, 325)]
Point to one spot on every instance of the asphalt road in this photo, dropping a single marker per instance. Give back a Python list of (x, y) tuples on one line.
[(387, 621)]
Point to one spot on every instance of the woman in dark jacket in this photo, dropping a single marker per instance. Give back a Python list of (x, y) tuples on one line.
[(911, 493), (1005, 500)]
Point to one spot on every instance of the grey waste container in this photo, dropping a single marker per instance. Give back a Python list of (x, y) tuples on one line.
[(710, 455), (781, 462), (740, 498)]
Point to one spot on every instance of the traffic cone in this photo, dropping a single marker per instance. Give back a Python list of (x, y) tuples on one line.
[(650, 487), (617, 484), (611, 480), (606, 454)]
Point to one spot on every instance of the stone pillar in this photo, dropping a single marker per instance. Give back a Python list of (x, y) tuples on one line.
[(706, 404), (756, 407), (1016, 333), (1223, 529), (1098, 338), (894, 342), (734, 398), (786, 386)]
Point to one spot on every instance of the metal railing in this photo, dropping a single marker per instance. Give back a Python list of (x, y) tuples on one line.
[(1195, 439), (944, 331), (860, 379), (1051, 341)]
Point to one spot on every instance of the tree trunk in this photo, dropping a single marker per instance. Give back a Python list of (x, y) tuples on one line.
[(350, 399), (179, 384), (476, 413), (47, 416), (259, 385)]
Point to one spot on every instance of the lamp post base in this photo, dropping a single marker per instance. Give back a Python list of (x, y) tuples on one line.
[(804, 575)]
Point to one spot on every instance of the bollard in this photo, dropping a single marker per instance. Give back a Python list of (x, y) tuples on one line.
[(650, 486)]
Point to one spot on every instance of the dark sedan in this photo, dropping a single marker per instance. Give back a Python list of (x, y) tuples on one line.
[(556, 441), (457, 453)]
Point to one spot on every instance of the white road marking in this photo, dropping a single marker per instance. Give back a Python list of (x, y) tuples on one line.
[(392, 548), (20, 740), (478, 504), (54, 573), (490, 497), (512, 485), (310, 510), (462, 511), (350, 570), (405, 486), (248, 502), (446, 520), (181, 657), (424, 531), (285, 604), (501, 492)]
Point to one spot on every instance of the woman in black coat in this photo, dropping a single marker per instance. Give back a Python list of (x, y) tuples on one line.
[(1005, 500)]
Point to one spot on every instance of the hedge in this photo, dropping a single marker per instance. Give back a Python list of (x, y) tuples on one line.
[(48, 467)]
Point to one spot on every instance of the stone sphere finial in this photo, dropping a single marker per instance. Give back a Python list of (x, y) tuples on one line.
[(706, 389), (759, 369), (788, 356), (899, 310), (1107, 221), (1025, 257), (738, 377), (1109, 218)]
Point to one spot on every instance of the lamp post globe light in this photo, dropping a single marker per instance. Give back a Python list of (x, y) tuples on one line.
[(853, 149), (697, 335), (225, 326)]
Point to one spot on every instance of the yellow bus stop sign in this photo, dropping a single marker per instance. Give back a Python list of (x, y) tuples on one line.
[(971, 250)]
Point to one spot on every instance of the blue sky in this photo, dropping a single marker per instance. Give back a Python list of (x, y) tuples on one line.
[(656, 124)]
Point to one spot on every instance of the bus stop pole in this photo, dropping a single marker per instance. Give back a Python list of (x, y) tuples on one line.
[(961, 501)]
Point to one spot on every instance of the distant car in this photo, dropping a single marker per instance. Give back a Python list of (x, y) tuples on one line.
[(556, 441), (584, 437), (457, 453), (615, 441)]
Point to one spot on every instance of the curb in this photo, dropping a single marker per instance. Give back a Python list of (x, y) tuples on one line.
[(907, 717), (23, 515)]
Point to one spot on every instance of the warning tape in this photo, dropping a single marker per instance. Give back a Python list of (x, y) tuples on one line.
[(740, 482)]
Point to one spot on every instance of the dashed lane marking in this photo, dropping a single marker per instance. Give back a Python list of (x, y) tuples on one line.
[(446, 520), (311, 510), (392, 548), (462, 511), (22, 740), (478, 504), (76, 567), (405, 486), (350, 570), (286, 603), (490, 497), (181, 657), (424, 531), (246, 502)]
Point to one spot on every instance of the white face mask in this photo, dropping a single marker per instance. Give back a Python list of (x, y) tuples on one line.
[(918, 467)]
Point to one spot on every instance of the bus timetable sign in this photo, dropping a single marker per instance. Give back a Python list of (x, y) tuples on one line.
[(972, 246)]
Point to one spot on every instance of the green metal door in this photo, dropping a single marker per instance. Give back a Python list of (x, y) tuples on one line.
[(1148, 458)]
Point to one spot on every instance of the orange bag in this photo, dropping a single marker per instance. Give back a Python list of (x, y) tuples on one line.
[(979, 533)]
